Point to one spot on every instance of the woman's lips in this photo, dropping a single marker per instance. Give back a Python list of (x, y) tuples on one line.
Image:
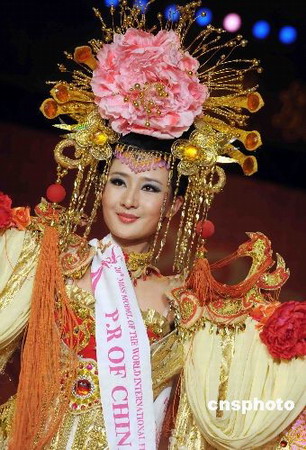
[(127, 218)]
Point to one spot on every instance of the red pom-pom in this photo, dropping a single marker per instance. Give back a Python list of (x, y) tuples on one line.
[(205, 228), (56, 193)]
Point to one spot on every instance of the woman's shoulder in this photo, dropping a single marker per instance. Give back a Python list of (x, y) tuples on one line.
[(17, 234), (11, 239), (17, 248), (175, 281)]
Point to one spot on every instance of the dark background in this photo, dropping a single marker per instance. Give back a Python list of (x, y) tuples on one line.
[(34, 35)]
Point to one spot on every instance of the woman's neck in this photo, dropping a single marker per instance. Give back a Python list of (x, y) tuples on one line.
[(132, 247)]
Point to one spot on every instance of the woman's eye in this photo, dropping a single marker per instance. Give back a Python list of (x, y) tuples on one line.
[(150, 188), (117, 182)]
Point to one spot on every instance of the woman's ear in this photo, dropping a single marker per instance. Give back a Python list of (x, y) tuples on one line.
[(178, 202)]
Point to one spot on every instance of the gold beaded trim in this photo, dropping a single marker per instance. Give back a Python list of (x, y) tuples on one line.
[(214, 328)]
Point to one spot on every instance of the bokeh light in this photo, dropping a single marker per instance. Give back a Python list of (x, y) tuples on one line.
[(110, 3), (172, 13), (261, 29), (206, 19), (232, 22), (141, 4), (287, 34)]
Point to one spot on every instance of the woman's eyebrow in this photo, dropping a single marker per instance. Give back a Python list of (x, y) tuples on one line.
[(152, 179), (122, 174)]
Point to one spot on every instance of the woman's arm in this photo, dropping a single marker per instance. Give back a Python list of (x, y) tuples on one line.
[(19, 252)]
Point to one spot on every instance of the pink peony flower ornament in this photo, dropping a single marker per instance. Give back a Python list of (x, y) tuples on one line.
[(147, 84)]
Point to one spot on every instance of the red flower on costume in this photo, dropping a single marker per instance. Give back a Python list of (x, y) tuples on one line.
[(5, 200), (285, 331), (147, 84), (21, 217), (12, 217), (5, 211)]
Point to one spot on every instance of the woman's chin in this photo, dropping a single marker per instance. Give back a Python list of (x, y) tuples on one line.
[(124, 235), (128, 237)]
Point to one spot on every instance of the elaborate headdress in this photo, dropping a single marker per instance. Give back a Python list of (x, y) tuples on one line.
[(157, 82)]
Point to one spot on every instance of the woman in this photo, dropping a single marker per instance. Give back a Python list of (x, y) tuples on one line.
[(131, 205), (89, 378)]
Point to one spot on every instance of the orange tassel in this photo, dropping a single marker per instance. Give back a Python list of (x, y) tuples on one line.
[(200, 281), (47, 368), (206, 288)]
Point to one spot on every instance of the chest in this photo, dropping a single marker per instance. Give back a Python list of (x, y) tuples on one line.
[(150, 293)]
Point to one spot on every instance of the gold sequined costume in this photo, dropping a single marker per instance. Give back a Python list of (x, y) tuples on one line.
[(215, 337)]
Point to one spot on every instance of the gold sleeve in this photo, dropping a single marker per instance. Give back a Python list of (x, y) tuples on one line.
[(19, 252), (167, 361)]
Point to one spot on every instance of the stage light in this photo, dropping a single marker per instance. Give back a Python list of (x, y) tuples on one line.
[(141, 4), (203, 20), (232, 22), (287, 34), (261, 29), (110, 3), (172, 13)]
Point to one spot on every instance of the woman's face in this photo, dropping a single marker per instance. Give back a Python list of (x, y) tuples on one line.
[(132, 202)]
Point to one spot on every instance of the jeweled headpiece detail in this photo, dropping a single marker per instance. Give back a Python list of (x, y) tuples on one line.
[(158, 82), (140, 161)]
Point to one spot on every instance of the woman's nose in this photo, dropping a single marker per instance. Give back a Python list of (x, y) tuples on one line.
[(130, 198)]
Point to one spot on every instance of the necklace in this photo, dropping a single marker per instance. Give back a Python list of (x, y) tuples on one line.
[(139, 265)]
